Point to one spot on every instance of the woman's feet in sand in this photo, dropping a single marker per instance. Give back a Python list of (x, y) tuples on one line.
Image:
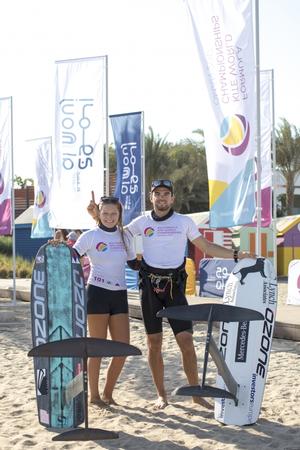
[(160, 403), (202, 402), (108, 401), (97, 401)]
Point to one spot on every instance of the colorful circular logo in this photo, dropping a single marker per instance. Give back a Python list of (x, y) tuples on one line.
[(101, 247), (40, 199), (148, 231), (1, 184), (234, 133)]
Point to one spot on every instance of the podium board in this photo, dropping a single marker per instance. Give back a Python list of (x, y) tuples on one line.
[(213, 274)]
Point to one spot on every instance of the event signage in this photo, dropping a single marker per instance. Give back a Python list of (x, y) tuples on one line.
[(5, 166), (127, 130), (42, 185), (223, 34), (80, 139)]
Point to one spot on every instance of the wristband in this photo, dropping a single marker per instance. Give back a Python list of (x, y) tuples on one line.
[(236, 255)]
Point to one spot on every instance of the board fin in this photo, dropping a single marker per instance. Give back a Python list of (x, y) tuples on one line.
[(206, 391), (212, 312)]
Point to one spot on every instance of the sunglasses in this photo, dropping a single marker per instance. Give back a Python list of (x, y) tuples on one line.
[(165, 183), (109, 200)]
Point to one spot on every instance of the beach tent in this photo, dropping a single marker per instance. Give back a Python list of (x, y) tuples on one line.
[(25, 246), (221, 236), (288, 242), (248, 241)]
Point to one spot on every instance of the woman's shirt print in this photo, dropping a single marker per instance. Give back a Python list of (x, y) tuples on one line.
[(107, 256), (164, 241)]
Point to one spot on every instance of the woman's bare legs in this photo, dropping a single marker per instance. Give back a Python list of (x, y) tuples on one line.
[(119, 331)]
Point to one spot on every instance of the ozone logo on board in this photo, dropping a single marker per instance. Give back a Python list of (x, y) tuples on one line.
[(234, 134)]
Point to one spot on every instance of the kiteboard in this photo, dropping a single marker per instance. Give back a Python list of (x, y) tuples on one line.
[(246, 346), (58, 312)]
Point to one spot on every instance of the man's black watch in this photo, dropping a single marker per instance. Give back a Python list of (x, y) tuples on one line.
[(236, 255)]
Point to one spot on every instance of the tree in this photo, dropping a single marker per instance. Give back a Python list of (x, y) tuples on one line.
[(288, 158), (157, 160), (190, 176), (22, 182)]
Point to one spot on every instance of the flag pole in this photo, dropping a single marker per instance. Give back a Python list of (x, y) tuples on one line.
[(258, 133), (106, 129), (273, 147), (13, 206)]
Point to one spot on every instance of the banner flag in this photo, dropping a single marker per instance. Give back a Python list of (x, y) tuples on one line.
[(266, 154), (223, 32), (5, 166), (42, 185), (80, 139), (127, 130)]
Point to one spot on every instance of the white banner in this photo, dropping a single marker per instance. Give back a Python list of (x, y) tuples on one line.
[(293, 297), (5, 166), (42, 184), (223, 33), (80, 138)]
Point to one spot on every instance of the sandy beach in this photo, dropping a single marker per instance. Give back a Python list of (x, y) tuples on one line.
[(181, 425)]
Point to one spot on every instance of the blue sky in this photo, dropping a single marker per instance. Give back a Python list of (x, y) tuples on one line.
[(153, 64)]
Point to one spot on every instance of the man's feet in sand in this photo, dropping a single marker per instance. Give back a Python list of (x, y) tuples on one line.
[(202, 402), (98, 402), (161, 403)]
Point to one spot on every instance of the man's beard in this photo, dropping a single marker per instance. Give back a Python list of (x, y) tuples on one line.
[(162, 207)]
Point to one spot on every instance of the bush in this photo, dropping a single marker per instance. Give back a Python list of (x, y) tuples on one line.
[(6, 245), (23, 267)]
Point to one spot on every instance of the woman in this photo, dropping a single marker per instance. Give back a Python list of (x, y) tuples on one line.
[(108, 248)]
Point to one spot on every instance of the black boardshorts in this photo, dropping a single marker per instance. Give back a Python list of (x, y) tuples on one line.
[(152, 302), (105, 301)]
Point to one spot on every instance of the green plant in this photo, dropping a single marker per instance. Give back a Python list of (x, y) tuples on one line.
[(23, 267), (6, 245)]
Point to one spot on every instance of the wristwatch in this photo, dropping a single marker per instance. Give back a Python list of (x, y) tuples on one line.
[(236, 255)]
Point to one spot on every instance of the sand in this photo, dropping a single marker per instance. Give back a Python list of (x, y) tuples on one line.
[(181, 425)]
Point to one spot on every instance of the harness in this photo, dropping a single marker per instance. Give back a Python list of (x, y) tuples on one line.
[(156, 283), (161, 281)]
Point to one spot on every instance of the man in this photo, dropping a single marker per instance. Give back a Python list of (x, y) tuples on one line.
[(162, 279)]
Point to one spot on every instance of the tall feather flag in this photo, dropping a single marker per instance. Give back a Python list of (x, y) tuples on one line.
[(223, 32), (42, 184), (5, 166), (80, 139), (127, 130)]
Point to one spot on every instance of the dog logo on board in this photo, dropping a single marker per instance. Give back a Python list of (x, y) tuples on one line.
[(258, 267), (42, 382)]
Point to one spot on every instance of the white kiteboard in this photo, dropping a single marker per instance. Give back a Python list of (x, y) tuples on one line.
[(246, 346)]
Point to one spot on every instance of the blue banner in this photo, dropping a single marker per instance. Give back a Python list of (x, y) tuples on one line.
[(127, 130)]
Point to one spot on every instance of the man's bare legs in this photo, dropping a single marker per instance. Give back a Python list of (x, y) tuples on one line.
[(189, 361), (156, 364)]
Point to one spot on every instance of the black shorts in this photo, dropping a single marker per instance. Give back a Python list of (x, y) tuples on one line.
[(153, 302), (104, 301)]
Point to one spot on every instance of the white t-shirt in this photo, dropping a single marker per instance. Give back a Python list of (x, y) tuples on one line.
[(107, 255), (164, 241)]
